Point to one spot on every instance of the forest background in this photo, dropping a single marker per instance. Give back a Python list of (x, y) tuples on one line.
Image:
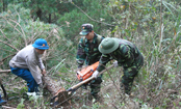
[(153, 25)]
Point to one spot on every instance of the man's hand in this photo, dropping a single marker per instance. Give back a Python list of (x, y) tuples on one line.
[(43, 72), (95, 74)]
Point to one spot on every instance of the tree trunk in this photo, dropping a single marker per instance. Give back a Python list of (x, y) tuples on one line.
[(4, 5), (52, 86), (60, 95), (49, 20)]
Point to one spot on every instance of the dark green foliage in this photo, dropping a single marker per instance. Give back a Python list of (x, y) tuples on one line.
[(89, 12), (69, 15)]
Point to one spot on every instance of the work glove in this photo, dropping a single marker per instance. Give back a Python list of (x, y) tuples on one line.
[(95, 74), (115, 63), (78, 70)]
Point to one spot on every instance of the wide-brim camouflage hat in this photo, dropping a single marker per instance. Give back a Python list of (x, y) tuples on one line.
[(108, 45)]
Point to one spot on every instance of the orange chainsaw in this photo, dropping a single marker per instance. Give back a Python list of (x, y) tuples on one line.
[(87, 72), (84, 76)]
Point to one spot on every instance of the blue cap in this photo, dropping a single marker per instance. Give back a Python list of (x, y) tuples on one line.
[(41, 44)]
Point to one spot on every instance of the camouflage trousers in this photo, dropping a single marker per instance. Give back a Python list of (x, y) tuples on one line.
[(130, 73), (95, 86)]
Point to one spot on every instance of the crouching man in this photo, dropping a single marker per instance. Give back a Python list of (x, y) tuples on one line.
[(28, 65)]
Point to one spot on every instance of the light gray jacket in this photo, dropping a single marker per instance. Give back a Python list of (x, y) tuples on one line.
[(28, 58)]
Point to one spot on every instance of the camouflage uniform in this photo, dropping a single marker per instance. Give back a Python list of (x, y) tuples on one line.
[(88, 52), (127, 56)]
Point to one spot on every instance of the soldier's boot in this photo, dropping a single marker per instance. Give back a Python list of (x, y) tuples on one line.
[(125, 87), (127, 90), (122, 88), (98, 98)]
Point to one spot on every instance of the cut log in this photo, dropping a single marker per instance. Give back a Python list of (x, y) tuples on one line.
[(57, 91), (52, 86)]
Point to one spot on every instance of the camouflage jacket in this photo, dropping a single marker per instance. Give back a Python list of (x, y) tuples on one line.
[(88, 51), (126, 55)]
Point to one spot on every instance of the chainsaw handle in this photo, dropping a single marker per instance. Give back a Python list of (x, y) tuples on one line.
[(81, 83), (89, 79)]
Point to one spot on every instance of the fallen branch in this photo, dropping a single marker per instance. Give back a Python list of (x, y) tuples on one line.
[(6, 107), (4, 35), (23, 33), (1, 61), (5, 71), (6, 50), (16, 83)]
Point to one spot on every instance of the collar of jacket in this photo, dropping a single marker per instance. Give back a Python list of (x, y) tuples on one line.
[(37, 54)]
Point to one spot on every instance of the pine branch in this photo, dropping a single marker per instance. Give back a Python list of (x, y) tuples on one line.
[(24, 36), (90, 17), (22, 33), (1, 61), (8, 45)]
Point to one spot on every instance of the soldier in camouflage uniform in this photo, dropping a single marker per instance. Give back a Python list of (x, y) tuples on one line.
[(126, 54), (88, 52)]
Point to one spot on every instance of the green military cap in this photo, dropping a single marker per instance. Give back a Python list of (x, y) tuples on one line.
[(108, 45), (86, 28)]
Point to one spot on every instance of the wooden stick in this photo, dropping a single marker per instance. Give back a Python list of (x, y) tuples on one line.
[(8, 107), (5, 71)]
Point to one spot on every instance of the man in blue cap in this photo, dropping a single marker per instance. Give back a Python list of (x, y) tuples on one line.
[(27, 64), (88, 52)]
